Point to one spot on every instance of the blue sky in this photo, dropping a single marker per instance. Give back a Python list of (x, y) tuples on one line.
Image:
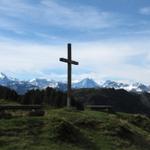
[(110, 38)]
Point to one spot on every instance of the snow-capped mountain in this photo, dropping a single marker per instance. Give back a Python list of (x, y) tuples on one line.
[(134, 87), (22, 87), (19, 86), (43, 83), (2, 75), (113, 84), (4, 80), (85, 83), (138, 87)]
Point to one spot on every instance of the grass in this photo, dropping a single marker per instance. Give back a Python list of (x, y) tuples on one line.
[(68, 129)]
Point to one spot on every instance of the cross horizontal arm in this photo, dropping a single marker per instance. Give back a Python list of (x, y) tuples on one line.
[(63, 60), (74, 62), (67, 61)]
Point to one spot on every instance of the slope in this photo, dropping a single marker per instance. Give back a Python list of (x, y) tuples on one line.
[(70, 129)]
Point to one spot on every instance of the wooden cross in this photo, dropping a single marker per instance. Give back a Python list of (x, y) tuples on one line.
[(69, 61)]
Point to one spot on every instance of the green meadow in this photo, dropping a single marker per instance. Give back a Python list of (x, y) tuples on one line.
[(69, 129)]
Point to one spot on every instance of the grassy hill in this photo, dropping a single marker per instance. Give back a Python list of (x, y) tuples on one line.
[(63, 129)]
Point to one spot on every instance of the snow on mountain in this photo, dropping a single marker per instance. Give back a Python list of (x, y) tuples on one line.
[(19, 86), (4, 80), (43, 83), (135, 87), (23, 86), (138, 87), (113, 84), (2, 75), (85, 83)]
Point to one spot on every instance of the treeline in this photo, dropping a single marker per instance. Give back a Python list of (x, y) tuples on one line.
[(8, 94), (120, 100), (49, 96)]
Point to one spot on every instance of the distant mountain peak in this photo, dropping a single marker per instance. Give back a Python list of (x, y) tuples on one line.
[(87, 80), (2, 75), (42, 83), (86, 83)]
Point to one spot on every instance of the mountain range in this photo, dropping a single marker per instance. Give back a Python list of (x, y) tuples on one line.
[(22, 87)]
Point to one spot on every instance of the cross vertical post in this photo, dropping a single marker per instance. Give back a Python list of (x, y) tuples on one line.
[(69, 76), (69, 61)]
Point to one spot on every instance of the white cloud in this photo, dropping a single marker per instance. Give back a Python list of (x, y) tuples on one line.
[(53, 13), (101, 59), (145, 10), (80, 17), (15, 56), (97, 59)]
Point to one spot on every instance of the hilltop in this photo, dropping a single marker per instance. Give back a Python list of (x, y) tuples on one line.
[(68, 129)]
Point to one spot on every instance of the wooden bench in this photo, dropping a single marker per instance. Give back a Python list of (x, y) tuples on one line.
[(34, 110), (21, 107), (107, 108)]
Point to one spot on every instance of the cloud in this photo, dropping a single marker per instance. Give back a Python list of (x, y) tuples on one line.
[(23, 14), (100, 60), (126, 57), (145, 10), (51, 20), (15, 56), (79, 17)]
